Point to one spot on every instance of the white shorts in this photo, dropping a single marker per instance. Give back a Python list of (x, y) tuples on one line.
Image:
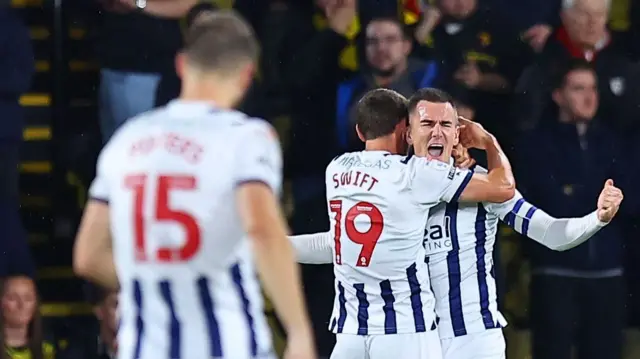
[(388, 346), (489, 344)]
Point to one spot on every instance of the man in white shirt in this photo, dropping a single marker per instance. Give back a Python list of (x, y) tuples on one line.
[(459, 238), (378, 202), (184, 198)]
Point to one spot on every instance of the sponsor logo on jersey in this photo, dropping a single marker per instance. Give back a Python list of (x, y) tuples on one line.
[(452, 172)]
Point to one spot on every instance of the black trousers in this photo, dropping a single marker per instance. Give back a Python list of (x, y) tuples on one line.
[(588, 314)]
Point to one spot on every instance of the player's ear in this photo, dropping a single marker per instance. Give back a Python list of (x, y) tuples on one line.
[(360, 135), (456, 136)]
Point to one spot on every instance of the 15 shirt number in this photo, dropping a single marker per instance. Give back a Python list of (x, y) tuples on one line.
[(367, 239), (162, 212)]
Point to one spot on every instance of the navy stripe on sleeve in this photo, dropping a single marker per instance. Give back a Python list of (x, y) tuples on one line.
[(527, 219), (510, 218)]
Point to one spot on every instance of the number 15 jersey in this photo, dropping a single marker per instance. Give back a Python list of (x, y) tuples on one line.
[(188, 288), (378, 204)]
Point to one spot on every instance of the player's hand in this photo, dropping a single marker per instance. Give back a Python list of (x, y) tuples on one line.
[(609, 202), (300, 346), (473, 135), (462, 158)]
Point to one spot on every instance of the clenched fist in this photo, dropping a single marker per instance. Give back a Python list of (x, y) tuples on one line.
[(609, 202)]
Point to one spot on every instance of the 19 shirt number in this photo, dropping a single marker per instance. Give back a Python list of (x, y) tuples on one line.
[(368, 239)]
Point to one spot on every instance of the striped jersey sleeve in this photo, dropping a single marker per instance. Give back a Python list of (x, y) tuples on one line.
[(517, 213)]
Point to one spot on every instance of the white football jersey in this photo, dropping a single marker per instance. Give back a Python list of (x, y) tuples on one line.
[(188, 286), (459, 240), (378, 204)]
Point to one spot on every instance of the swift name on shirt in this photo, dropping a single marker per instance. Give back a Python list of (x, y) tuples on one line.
[(354, 178), (173, 143)]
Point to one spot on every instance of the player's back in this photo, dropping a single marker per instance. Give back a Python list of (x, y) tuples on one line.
[(377, 215), (188, 288)]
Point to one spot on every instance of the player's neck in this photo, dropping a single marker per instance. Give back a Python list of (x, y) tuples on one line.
[(205, 91), (381, 144)]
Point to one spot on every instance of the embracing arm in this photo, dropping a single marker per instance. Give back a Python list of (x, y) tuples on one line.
[(312, 248), (558, 234)]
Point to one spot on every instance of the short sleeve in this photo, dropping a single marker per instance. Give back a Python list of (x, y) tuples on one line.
[(260, 157), (436, 181), (99, 190)]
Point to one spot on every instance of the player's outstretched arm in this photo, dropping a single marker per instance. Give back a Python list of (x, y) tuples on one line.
[(92, 251), (265, 225), (312, 248), (499, 184), (558, 234)]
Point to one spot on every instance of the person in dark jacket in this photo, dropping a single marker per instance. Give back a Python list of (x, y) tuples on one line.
[(16, 71), (584, 35), (388, 65), (96, 341), (563, 166)]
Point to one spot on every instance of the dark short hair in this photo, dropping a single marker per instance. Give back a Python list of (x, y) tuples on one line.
[(220, 42), (379, 111), (430, 95), (404, 30), (564, 69)]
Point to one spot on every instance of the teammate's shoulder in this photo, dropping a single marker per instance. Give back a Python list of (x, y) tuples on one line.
[(257, 127), (421, 162)]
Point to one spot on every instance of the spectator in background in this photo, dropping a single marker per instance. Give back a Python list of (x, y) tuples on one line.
[(577, 296), (388, 65), (135, 46), (98, 341), (584, 35), (16, 68), (21, 323), (482, 55), (169, 86)]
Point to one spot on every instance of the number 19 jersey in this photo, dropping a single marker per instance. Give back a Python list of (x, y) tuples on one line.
[(188, 286), (378, 204)]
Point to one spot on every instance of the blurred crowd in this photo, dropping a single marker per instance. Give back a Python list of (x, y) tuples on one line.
[(557, 82)]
